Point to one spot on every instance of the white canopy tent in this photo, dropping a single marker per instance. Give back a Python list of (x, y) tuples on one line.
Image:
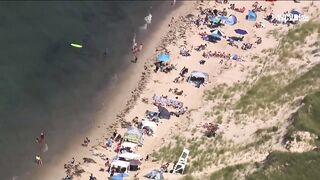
[(150, 124), (119, 163), (129, 156), (129, 144), (197, 78)]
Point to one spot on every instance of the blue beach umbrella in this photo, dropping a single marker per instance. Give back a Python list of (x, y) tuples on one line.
[(296, 15), (241, 31), (234, 57), (295, 12), (163, 57)]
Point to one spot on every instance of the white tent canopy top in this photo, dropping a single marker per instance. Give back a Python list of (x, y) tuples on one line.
[(129, 156), (198, 74), (123, 164), (129, 144), (150, 124), (120, 163)]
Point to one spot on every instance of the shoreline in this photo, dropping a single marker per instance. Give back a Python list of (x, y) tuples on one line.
[(143, 83), (101, 126)]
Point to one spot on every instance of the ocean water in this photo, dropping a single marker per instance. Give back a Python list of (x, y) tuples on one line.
[(47, 85)]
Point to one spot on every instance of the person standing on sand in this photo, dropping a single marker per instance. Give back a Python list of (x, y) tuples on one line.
[(135, 59), (92, 177), (109, 143), (112, 172), (107, 164), (114, 135), (140, 47)]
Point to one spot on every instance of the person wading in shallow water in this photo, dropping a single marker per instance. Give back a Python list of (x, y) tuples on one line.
[(42, 137), (135, 60), (41, 141), (38, 160)]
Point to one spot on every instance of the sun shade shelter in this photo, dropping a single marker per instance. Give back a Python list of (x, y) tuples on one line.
[(150, 124), (197, 78), (241, 31), (232, 20), (251, 16), (134, 164), (129, 145), (122, 164), (134, 135), (215, 19), (163, 57), (154, 174), (163, 113), (129, 156), (217, 34)]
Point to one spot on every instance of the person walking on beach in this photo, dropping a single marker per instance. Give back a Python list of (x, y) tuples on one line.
[(140, 47), (135, 59), (109, 143), (38, 160), (92, 177), (115, 133)]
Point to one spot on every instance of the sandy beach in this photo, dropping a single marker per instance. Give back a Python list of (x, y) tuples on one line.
[(225, 66)]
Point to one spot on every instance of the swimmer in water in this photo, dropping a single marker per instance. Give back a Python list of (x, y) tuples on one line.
[(42, 137), (38, 160)]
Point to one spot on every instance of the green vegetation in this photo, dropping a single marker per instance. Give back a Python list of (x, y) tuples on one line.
[(294, 38), (308, 117), (203, 152), (289, 166), (260, 94), (228, 173), (268, 130), (267, 92), (215, 92), (188, 177), (269, 89), (170, 153)]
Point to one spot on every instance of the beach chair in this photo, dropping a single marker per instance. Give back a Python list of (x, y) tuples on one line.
[(182, 162)]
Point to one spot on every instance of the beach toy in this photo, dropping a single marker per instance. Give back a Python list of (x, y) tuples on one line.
[(76, 45)]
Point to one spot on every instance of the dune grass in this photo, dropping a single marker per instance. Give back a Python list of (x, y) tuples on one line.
[(188, 177), (228, 173), (171, 152), (289, 166), (259, 95), (215, 92), (203, 152), (307, 118), (294, 38), (269, 89)]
